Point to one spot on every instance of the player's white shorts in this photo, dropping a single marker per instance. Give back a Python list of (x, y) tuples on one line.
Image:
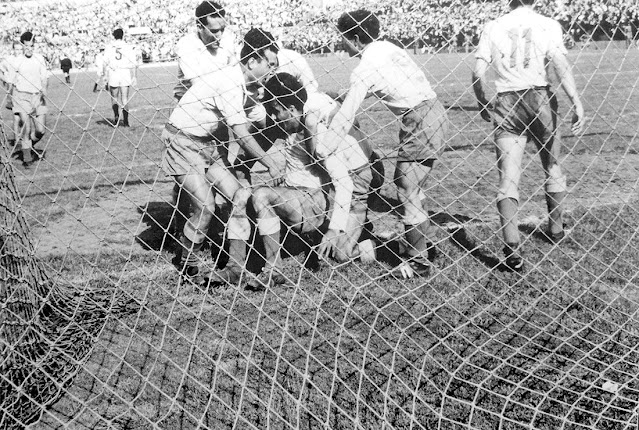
[(120, 78)]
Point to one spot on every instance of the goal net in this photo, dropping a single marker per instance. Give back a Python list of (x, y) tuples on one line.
[(100, 326)]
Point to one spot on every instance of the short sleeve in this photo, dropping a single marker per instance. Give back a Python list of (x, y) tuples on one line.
[(483, 51)]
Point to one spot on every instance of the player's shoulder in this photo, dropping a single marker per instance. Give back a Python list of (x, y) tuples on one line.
[(223, 79)]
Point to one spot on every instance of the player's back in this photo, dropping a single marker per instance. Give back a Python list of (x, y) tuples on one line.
[(391, 74), (121, 55), (519, 44)]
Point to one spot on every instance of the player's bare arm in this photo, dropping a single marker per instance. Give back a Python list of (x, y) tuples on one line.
[(253, 149), (479, 86), (344, 119), (335, 237), (567, 80)]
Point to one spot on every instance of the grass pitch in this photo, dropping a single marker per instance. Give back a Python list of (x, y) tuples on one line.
[(351, 346)]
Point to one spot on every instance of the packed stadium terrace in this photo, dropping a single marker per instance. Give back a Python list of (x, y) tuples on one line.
[(304, 25)]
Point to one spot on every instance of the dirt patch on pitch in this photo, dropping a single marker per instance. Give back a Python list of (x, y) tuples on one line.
[(109, 223)]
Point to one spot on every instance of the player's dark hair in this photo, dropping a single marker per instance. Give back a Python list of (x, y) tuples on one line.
[(118, 34), (516, 3), (208, 9), (27, 36), (256, 41), (286, 89), (361, 23)]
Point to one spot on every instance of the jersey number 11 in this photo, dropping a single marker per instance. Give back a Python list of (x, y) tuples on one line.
[(516, 37)]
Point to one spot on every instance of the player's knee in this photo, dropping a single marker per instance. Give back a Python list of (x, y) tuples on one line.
[(507, 190), (260, 198), (241, 197), (193, 231), (414, 215), (556, 182)]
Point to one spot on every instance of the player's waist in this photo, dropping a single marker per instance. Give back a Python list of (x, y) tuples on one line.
[(524, 90), (427, 103), (177, 132)]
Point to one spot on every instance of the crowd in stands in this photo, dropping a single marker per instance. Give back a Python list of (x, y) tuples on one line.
[(78, 28)]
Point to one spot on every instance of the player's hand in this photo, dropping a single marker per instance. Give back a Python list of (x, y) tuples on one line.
[(329, 244), (578, 120), (405, 270), (277, 176), (485, 111)]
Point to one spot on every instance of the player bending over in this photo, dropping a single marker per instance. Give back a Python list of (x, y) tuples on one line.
[(196, 156), (302, 202), (389, 73)]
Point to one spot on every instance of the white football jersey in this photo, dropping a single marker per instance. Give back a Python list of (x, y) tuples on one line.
[(121, 55), (519, 45)]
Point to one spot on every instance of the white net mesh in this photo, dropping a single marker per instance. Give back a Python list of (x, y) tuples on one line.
[(99, 330)]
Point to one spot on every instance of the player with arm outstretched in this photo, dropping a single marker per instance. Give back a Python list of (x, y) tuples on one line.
[(121, 62), (195, 154), (388, 73), (521, 46)]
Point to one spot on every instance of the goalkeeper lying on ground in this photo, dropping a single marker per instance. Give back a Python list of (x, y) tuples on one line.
[(302, 203)]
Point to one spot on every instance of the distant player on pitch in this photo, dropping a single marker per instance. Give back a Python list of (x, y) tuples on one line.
[(28, 79), (121, 62), (522, 45), (387, 72), (196, 154)]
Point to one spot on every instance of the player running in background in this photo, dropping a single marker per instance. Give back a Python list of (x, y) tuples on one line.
[(28, 79), (387, 72), (302, 202), (521, 45), (121, 62), (196, 154)]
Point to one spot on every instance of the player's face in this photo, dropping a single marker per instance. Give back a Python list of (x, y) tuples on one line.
[(27, 48), (261, 68), (351, 46), (288, 119), (211, 33)]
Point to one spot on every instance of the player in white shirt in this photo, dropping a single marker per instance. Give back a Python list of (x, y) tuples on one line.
[(522, 45), (121, 62), (99, 66), (302, 202), (387, 72), (213, 46), (197, 158), (28, 77)]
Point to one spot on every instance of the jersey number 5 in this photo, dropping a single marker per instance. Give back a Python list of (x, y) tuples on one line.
[(516, 36), (118, 54)]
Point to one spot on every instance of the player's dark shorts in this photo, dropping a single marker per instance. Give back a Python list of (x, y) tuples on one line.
[(531, 112), (28, 103), (422, 131), (313, 205), (65, 69), (188, 154)]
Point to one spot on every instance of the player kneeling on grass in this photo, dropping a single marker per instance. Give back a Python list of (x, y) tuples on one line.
[(302, 202), (387, 72), (195, 154)]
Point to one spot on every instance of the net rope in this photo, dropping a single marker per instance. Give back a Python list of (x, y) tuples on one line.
[(99, 330)]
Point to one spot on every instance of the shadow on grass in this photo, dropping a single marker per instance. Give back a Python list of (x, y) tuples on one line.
[(461, 238)]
